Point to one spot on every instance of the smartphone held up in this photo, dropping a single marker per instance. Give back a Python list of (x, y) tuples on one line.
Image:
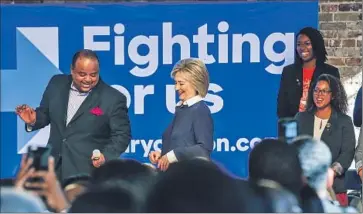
[(287, 129)]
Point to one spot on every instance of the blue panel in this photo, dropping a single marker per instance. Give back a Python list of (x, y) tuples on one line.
[(245, 46)]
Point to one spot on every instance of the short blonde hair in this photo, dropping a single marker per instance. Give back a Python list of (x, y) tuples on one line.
[(197, 72)]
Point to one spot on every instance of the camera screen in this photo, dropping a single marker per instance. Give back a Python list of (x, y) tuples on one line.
[(291, 130), (40, 157), (287, 129)]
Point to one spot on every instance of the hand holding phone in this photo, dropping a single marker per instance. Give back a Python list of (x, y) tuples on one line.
[(287, 129), (39, 156), (25, 172), (48, 187)]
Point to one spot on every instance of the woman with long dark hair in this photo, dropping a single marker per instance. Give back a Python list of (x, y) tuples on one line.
[(326, 119), (310, 63)]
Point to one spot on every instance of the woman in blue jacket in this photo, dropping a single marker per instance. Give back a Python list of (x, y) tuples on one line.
[(190, 134)]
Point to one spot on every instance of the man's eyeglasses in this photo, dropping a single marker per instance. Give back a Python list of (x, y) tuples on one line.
[(323, 92)]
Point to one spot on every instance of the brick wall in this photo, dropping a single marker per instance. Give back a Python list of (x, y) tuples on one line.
[(340, 22)]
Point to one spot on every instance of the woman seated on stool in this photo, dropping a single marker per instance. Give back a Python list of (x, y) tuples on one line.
[(325, 119)]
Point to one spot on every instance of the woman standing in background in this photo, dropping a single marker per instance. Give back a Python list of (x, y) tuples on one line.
[(310, 58)]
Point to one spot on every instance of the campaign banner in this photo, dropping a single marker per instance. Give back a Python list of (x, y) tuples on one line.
[(245, 45)]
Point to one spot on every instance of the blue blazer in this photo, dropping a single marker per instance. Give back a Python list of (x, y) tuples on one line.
[(190, 134)]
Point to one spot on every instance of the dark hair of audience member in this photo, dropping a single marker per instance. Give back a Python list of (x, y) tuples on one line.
[(260, 196), (126, 174), (198, 186), (103, 199), (254, 202), (275, 160), (275, 197), (125, 169)]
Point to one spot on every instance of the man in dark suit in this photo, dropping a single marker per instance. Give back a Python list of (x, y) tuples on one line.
[(310, 58), (85, 114)]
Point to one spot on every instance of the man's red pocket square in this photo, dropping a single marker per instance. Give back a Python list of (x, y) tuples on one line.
[(97, 111)]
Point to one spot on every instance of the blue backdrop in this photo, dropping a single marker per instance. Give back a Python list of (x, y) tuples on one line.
[(245, 46)]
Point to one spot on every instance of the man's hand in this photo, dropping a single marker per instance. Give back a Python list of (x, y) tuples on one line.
[(154, 156), (49, 187), (26, 113), (361, 174), (163, 163), (98, 160)]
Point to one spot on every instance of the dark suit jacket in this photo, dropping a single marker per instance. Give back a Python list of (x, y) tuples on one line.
[(72, 145), (357, 112), (291, 86), (357, 120), (339, 137), (359, 151)]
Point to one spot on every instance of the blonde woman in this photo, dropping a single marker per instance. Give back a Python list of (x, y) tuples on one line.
[(190, 134)]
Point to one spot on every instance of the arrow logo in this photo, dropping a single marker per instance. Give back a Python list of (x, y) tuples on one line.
[(37, 52)]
